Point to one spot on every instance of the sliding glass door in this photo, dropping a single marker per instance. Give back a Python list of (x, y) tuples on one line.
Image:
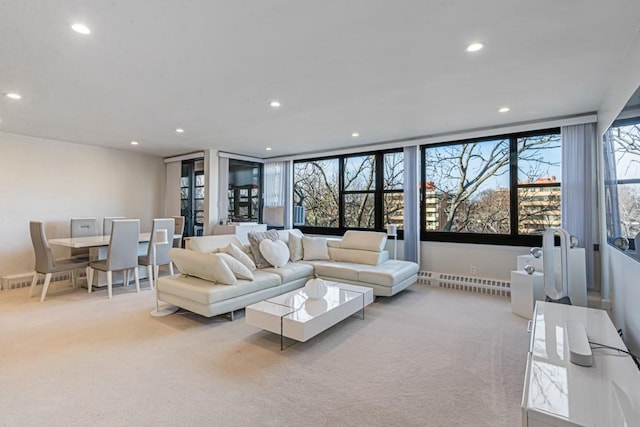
[(192, 196)]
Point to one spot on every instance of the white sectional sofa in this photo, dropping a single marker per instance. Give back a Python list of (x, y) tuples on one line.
[(357, 258)]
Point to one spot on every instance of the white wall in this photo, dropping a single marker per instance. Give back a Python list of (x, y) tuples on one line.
[(620, 272), (490, 261), (53, 181)]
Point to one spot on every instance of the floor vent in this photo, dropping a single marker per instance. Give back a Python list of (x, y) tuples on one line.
[(23, 280), (466, 283)]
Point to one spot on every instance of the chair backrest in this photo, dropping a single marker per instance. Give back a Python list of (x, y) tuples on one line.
[(107, 222), (178, 231), (162, 251), (273, 216), (123, 246), (83, 227), (45, 262)]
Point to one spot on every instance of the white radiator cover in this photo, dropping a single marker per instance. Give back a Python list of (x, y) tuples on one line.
[(480, 285), (22, 280)]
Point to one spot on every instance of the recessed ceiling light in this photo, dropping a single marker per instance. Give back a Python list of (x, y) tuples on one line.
[(14, 96), (81, 28), (134, 142), (179, 130), (504, 110), (268, 148), (274, 104), (474, 47), (355, 134)]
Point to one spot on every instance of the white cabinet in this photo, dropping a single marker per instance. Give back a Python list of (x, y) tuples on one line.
[(525, 291), (240, 229), (559, 393)]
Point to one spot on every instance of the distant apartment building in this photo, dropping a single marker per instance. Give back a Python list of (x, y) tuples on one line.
[(539, 205)]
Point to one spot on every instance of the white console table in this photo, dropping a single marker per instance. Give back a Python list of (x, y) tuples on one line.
[(239, 229), (559, 393)]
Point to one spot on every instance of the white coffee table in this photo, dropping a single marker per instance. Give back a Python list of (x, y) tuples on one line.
[(294, 315)]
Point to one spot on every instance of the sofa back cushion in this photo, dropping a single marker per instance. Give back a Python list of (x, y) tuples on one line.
[(358, 256), (202, 265), (364, 240), (284, 234)]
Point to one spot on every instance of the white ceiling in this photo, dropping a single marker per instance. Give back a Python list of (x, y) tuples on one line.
[(386, 69)]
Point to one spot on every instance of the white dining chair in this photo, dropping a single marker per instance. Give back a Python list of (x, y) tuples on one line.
[(178, 231), (122, 254), (45, 262), (107, 222), (162, 251), (82, 227)]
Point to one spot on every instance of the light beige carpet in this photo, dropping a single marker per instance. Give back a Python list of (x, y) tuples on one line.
[(426, 357)]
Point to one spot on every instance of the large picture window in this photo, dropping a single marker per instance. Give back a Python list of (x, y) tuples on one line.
[(501, 190), (622, 181), (362, 191)]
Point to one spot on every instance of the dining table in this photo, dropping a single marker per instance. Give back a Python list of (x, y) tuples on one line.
[(98, 250), (92, 241)]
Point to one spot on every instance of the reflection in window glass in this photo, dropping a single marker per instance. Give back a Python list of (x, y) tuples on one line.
[(622, 179)]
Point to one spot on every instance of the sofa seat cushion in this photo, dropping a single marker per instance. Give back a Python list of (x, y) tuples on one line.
[(292, 271), (337, 270), (389, 273), (205, 292)]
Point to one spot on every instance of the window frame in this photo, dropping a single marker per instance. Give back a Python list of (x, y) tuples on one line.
[(514, 238), (378, 193)]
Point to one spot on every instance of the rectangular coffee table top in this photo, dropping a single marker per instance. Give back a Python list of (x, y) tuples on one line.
[(296, 316)]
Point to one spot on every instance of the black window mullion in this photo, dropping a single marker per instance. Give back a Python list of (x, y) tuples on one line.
[(513, 198), (378, 219), (423, 179), (341, 193)]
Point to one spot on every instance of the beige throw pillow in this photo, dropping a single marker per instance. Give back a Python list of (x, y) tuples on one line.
[(202, 265), (295, 247), (315, 249), (254, 240), (239, 269), (239, 254)]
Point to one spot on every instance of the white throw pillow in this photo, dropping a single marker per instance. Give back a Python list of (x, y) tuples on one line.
[(254, 240), (239, 269), (202, 265), (276, 253), (315, 249), (240, 255), (295, 247)]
